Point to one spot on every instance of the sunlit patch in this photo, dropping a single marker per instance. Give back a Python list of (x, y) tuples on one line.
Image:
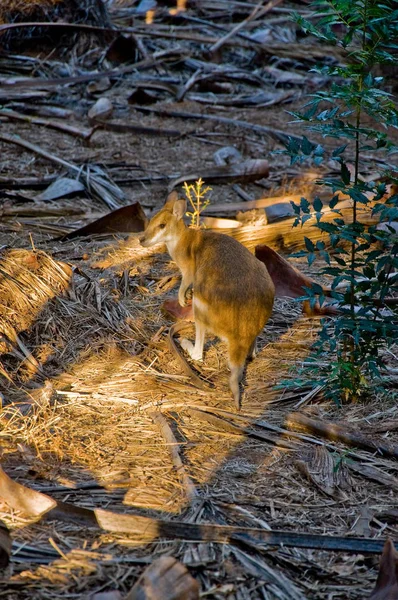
[(181, 7), (149, 16)]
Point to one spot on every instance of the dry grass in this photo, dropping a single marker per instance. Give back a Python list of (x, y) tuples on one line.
[(25, 8), (89, 12)]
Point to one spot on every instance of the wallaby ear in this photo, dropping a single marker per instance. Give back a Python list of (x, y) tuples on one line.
[(179, 208), (171, 199)]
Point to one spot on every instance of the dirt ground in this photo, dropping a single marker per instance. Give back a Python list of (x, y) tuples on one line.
[(80, 419)]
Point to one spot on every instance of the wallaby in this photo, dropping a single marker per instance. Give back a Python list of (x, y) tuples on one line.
[(233, 293)]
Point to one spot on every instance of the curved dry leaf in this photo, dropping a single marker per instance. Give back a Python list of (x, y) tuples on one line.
[(24, 499), (387, 580), (195, 380), (173, 308), (128, 219), (5, 546)]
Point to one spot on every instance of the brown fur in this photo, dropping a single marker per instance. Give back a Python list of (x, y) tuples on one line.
[(233, 292)]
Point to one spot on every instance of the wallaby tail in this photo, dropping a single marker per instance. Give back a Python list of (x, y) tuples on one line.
[(237, 354)]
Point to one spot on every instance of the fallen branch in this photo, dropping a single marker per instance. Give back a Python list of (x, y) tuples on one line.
[(374, 474), (157, 58), (250, 204), (40, 505), (81, 132), (338, 433), (137, 129)]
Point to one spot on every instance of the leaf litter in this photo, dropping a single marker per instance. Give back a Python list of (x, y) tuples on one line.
[(97, 413)]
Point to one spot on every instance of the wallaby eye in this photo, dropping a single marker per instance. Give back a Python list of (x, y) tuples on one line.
[(162, 225)]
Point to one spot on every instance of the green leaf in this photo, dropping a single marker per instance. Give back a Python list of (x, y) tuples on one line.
[(306, 146), (296, 207), (304, 205), (311, 257), (339, 150), (309, 244), (317, 204), (345, 174), (358, 196)]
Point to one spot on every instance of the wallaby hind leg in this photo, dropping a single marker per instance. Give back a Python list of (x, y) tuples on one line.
[(195, 351)]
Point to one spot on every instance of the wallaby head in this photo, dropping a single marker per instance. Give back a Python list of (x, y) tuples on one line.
[(164, 226)]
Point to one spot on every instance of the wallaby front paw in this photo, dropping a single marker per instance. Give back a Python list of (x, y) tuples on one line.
[(181, 299)]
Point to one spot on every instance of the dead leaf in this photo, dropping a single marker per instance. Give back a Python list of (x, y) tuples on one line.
[(387, 580), (276, 212), (128, 219), (361, 526), (141, 96), (24, 499), (123, 49), (101, 85), (288, 280), (165, 579), (101, 110), (64, 186)]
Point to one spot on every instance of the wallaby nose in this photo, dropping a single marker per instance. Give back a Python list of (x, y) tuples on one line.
[(141, 238)]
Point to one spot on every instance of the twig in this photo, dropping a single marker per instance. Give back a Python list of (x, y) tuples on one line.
[(257, 12), (83, 133), (243, 429), (170, 439), (15, 139), (277, 134), (309, 396), (92, 180)]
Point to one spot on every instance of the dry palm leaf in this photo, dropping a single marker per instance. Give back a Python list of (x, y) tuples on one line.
[(318, 466)]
